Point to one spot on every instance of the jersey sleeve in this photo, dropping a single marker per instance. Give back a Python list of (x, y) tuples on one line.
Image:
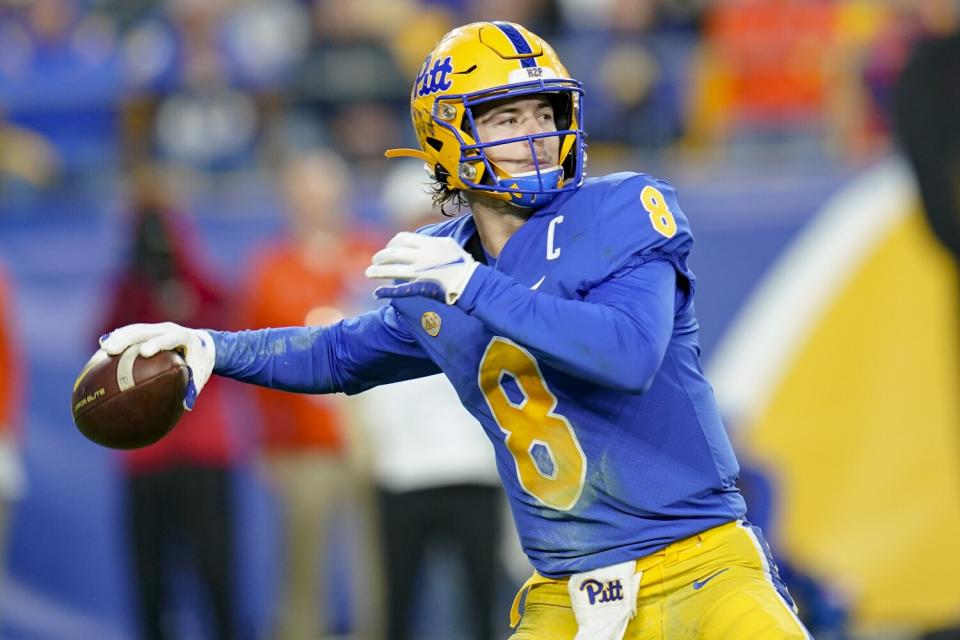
[(635, 276), (640, 219), (616, 337), (350, 356)]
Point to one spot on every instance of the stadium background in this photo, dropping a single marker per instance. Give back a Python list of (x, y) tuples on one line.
[(827, 309)]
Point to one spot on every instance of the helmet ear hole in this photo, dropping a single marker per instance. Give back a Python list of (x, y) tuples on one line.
[(436, 144), (569, 166), (562, 109)]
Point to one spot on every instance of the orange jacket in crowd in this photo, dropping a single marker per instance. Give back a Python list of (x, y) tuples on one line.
[(9, 362), (289, 286), (776, 55)]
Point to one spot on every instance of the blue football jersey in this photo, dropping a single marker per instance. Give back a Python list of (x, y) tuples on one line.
[(577, 351), (594, 475)]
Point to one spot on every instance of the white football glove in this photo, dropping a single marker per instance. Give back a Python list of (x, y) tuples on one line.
[(426, 266), (195, 345)]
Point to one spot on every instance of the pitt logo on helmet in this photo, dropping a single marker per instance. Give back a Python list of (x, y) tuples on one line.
[(433, 79), (482, 63)]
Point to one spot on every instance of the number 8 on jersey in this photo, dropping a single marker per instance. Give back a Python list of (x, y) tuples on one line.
[(531, 423)]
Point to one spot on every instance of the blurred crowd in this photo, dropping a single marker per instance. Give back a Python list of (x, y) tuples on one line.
[(90, 89)]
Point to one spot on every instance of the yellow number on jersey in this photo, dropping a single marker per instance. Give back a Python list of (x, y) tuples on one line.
[(660, 215), (532, 423)]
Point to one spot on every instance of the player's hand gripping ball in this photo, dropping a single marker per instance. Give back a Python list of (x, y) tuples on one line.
[(127, 401)]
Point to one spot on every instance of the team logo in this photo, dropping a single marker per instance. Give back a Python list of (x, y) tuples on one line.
[(698, 584), (433, 79), (599, 594), (430, 323)]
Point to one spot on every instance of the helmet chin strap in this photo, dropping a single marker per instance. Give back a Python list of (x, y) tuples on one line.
[(551, 178), (531, 181)]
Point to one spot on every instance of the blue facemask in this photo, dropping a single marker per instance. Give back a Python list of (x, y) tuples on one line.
[(531, 181)]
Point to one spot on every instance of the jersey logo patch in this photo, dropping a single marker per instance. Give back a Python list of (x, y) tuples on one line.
[(430, 322), (598, 593)]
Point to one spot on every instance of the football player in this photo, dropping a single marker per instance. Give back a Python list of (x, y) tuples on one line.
[(561, 309)]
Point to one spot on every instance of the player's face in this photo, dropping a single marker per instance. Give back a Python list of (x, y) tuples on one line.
[(518, 117)]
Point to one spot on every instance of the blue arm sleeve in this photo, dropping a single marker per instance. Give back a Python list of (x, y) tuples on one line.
[(350, 356), (617, 336)]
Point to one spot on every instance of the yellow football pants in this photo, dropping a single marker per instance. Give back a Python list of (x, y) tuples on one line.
[(715, 585)]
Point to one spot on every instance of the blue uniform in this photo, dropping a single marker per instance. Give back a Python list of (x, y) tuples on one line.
[(577, 351)]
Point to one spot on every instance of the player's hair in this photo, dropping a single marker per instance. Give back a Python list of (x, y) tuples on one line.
[(444, 197)]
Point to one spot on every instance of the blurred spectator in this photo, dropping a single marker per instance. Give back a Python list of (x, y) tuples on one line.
[(349, 91), (123, 13), (640, 84), (26, 155), (773, 56), (267, 38), (180, 488), (61, 78), (632, 75), (884, 56), (11, 385), (543, 17), (683, 15), (676, 15), (434, 469), (761, 76), (790, 76), (204, 75), (585, 14), (306, 278), (417, 29)]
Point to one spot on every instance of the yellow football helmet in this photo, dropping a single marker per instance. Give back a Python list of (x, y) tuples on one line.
[(480, 63)]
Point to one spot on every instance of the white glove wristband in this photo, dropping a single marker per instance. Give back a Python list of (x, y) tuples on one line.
[(196, 346), (424, 266)]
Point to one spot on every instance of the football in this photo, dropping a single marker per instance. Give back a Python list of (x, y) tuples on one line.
[(128, 401)]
